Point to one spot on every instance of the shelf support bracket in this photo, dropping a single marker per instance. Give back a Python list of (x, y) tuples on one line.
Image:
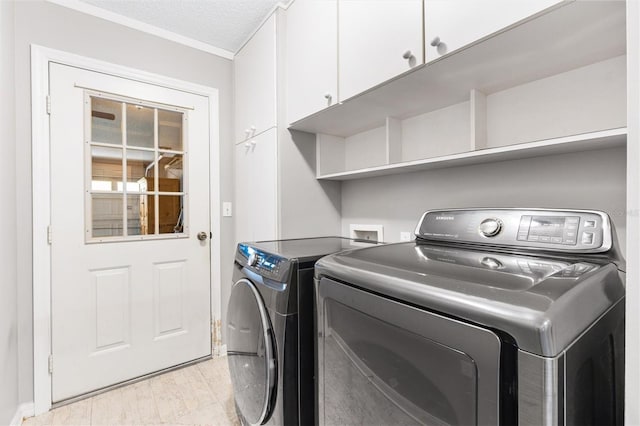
[(478, 110)]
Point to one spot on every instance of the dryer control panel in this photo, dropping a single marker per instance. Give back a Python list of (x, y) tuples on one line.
[(578, 231)]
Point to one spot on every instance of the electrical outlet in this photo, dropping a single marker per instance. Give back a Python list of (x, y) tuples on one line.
[(405, 236), (226, 209)]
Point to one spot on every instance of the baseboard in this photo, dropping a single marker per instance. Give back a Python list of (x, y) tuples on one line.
[(22, 412)]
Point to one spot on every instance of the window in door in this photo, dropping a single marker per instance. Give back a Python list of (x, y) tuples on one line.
[(136, 159)]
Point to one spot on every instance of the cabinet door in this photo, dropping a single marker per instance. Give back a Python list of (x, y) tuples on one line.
[(264, 186), (452, 24), (255, 82), (312, 57), (373, 39), (256, 187), (244, 202)]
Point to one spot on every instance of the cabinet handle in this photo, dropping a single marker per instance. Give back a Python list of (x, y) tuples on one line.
[(436, 41), (246, 132), (328, 96), (407, 55), (253, 145), (253, 130)]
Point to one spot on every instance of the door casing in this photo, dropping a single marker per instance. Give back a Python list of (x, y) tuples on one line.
[(40, 151)]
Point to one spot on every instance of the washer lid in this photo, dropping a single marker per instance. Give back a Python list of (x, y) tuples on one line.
[(543, 303), (251, 353)]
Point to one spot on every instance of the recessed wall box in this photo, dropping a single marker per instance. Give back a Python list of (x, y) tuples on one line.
[(367, 232)]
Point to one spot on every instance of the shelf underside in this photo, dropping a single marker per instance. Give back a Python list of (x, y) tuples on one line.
[(586, 142), (572, 36)]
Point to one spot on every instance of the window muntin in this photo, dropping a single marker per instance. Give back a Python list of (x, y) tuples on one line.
[(135, 182)]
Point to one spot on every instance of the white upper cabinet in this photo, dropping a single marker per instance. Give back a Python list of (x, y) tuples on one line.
[(378, 40), (311, 57), (255, 83), (452, 24)]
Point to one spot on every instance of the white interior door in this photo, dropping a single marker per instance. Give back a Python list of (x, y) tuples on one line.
[(129, 195)]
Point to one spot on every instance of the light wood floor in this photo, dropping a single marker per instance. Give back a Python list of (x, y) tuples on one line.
[(200, 394)]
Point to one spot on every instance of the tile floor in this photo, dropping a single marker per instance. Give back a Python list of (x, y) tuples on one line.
[(200, 394)]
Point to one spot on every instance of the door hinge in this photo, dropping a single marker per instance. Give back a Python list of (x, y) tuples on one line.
[(49, 235), (48, 104), (50, 364)]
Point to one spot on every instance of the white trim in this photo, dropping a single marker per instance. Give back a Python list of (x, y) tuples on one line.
[(40, 59), (280, 5), (41, 219), (22, 412), (98, 12)]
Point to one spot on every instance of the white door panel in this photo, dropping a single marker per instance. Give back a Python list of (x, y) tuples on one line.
[(265, 160), (255, 82), (124, 308), (312, 57), (243, 181), (373, 37), (456, 23), (256, 188)]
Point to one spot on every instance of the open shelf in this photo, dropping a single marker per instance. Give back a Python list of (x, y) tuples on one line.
[(584, 142), (572, 36)]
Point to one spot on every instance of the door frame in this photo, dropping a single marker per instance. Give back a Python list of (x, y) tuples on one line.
[(41, 178)]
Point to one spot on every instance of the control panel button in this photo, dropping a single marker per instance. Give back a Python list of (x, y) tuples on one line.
[(587, 237), (523, 229), (490, 227), (253, 259), (492, 263), (589, 223), (572, 220)]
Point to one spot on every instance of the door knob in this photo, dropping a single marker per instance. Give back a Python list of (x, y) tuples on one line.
[(202, 236)]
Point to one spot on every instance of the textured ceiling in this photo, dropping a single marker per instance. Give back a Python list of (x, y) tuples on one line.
[(225, 24)]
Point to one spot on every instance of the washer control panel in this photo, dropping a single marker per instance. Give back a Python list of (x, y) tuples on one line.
[(551, 230), (265, 264)]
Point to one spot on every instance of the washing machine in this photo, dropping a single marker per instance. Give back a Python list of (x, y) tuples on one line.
[(490, 317), (270, 328)]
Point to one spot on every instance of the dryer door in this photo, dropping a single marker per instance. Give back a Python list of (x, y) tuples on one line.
[(251, 353), (385, 362)]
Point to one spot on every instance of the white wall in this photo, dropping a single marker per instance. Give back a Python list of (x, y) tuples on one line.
[(60, 28), (586, 180), (308, 207), (8, 282)]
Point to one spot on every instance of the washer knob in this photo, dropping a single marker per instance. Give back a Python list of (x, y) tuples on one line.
[(253, 259), (490, 227)]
